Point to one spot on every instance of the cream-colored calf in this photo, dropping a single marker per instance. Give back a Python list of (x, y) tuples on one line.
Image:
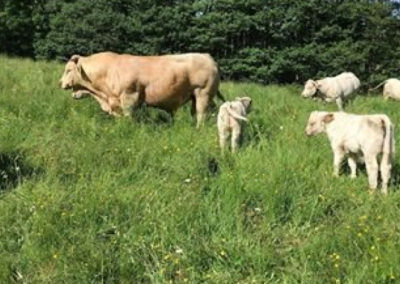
[(231, 115), (391, 88), (357, 136), (337, 88)]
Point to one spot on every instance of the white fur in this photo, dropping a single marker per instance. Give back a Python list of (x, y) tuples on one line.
[(231, 115), (391, 88), (357, 136), (333, 88)]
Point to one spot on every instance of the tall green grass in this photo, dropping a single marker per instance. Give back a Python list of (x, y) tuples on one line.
[(86, 198)]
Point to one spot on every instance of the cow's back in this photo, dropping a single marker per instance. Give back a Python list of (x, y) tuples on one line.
[(97, 64), (347, 82), (199, 67)]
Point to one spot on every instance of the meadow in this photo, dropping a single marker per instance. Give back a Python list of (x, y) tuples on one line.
[(88, 198)]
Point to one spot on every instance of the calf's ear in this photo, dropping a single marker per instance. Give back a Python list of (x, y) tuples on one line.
[(328, 118)]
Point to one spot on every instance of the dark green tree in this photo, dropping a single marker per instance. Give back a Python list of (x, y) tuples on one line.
[(258, 40)]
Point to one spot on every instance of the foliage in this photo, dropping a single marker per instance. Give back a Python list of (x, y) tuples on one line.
[(86, 198), (259, 40), (16, 27)]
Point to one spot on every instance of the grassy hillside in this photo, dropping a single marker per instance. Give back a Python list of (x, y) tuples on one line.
[(86, 198)]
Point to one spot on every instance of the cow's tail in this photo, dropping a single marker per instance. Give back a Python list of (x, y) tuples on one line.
[(388, 142), (220, 96), (372, 89), (236, 115)]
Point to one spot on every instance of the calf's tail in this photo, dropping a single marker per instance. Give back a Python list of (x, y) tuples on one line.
[(372, 89), (388, 143), (236, 115)]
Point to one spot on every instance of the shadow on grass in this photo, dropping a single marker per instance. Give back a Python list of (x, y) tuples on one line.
[(149, 115), (14, 170), (395, 177), (145, 115), (394, 181)]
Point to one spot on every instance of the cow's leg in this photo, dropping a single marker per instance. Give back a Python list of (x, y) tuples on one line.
[(193, 107), (129, 102), (202, 101), (339, 102), (337, 161), (385, 169), (115, 105), (103, 104), (372, 171), (353, 166)]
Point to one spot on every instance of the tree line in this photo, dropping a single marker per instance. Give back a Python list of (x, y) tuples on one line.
[(265, 41)]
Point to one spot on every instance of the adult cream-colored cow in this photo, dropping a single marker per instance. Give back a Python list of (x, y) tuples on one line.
[(391, 89), (333, 88), (357, 136), (121, 82)]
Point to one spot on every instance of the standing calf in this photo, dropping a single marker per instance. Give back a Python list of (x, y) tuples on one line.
[(391, 88), (354, 136), (231, 115), (333, 88)]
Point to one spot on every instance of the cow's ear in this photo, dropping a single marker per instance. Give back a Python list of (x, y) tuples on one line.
[(74, 58), (82, 71), (328, 118)]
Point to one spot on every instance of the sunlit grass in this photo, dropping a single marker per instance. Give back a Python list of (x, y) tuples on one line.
[(100, 199)]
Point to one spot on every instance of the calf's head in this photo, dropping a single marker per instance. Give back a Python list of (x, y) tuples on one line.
[(246, 102), (310, 88), (72, 75), (317, 122)]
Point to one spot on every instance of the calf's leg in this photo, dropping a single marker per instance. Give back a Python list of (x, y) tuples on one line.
[(353, 166), (223, 137), (372, 171), (235, 139), (339, 102), (385, 169), (337, 161)]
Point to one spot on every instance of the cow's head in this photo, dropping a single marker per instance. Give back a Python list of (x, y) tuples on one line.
[(310, 89), (317, 121), (72, 75)]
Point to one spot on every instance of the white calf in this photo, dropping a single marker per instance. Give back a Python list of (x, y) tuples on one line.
[(355, 136), (333, 88), (230, 118), (391, 89)]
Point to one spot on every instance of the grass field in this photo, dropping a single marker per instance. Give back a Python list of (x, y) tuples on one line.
[(86, 198)]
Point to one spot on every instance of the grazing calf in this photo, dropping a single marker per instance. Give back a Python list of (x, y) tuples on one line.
[(333, 88), (231, 115), (354, 136), (391, 89)]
